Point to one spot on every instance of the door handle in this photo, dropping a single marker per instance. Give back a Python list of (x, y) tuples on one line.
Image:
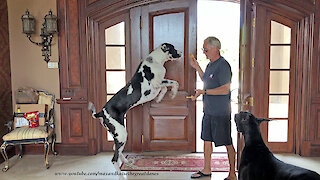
[(248, 100)]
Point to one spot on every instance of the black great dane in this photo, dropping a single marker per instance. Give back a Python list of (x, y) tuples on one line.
[(146, 84), (257, 162)]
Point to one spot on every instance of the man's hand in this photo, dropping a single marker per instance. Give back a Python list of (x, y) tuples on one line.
[(197, 94), (193, 62)]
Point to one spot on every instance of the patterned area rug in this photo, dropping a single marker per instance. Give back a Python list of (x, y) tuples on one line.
[(187, 163)]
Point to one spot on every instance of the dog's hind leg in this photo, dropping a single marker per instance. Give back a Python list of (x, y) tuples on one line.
[(121, 156), (115, 158), (123, 159), (118, 148)]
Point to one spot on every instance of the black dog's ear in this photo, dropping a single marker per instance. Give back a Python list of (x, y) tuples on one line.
[(248, 115), (260, 120)]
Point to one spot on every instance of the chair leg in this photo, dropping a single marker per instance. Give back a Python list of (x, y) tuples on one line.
[(46, 152), (21, 153), (5, 157), (53, 144)]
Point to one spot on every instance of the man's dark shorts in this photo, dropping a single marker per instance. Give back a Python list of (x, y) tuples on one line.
[(216, 129)]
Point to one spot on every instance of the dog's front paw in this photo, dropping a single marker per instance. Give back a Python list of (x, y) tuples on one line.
[(174, 90), (172, 94), (158, 99), (161, 94)]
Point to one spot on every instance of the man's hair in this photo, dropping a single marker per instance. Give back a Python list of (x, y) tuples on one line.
[(213, 41)]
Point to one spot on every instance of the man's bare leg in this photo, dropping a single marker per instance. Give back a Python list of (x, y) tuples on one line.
[(231, 157), (207, 159)]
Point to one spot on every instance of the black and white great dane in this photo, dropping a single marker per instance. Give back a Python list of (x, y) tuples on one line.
[(146, 84), (257, 161)]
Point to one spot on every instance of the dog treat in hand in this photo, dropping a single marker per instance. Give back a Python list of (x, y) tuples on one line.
[(192, 56)]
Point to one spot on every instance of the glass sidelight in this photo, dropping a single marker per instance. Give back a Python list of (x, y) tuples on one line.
[(115, 61), (279, 82), (278, 131)]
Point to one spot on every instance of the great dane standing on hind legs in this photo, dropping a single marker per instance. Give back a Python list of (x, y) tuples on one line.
[(257, 161), (146, 84)]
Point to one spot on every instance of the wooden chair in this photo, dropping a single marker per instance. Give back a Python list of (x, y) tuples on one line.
[(25, 135)]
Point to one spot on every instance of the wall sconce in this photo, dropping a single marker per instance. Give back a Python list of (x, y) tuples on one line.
[(49, 28)]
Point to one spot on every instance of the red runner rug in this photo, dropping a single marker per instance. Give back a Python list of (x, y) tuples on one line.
[(186, 163)]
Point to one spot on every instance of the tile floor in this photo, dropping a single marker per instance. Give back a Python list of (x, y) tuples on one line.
[(99, 167)]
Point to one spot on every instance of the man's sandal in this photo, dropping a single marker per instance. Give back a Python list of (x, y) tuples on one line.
[(201, 175), (227, 178)]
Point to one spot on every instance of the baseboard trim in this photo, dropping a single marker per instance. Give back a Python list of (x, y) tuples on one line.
[(72, 149), (61, 149)]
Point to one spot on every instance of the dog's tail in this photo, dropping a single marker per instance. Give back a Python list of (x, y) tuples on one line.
[(95, 115)]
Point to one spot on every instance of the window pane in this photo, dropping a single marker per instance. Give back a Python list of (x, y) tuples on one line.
[(115, 58), (280, 34), (109, 136), (109, 97), (278, 106), (280, 57), (169, 28), (279, 82), (115, 81), (278, 131), (115, 34)]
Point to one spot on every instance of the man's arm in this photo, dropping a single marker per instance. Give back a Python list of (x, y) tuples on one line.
[(200, 72), (221, 90), (194, 63)]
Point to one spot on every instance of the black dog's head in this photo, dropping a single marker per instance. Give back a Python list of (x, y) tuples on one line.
[(172, 53), (246, 121)]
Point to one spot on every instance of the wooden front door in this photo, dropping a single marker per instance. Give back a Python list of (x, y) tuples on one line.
[(115, 67), (170, 124), (272, 42), (274, 65)]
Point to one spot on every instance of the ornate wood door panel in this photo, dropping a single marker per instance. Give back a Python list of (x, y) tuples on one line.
[(170, 124), (73, 80)]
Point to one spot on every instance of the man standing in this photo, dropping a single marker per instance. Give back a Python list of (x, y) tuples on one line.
[(216, 122)]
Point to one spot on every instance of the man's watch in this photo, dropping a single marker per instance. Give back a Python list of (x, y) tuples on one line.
[(205, 92)]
